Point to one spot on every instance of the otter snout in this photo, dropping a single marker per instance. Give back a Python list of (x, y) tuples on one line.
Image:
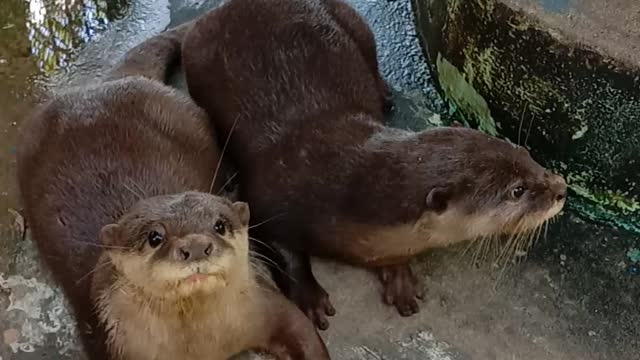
[(193, 248), (558, 187)]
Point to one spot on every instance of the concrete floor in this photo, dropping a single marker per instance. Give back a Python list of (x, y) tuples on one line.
[(576, 297)]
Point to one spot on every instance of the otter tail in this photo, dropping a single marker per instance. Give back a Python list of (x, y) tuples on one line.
[(153, 58)]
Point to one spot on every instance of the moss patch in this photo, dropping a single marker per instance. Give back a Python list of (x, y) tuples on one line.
[(459, 91)]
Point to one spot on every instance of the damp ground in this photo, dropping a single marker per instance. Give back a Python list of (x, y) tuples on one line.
[(575, 296)]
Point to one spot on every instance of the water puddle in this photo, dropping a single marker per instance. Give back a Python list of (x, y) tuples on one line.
[(38, 38)]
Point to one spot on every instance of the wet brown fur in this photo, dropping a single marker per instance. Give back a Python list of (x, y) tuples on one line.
[(85, 158), (298, 83)]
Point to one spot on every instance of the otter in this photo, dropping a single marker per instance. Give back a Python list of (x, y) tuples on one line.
[(294, 85), (118, 181)]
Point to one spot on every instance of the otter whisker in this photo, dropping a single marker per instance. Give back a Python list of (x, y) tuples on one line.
[(471, 244), (475, 244), (505, 248), (265, 259), (480, 249), (137, 186), (263, 243), (473, 247), (132, 192), (524, 109), (488, 244), (102, 246), (535, 234), (546, 228), (526, 241), (523, 244), (539, 232), (521, 252), (259, 269), (269, 263), (227, 182), (266, 221), (509, 248), (528, 131), (95, 269), (494, 246), (511, 251), (224, 149), (507, 252)]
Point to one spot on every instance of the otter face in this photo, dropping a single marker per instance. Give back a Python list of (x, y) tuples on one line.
[(176, 245), (492, 187)]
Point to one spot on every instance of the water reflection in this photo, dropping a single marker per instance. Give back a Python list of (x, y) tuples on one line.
[(56, 28), (37, 37)]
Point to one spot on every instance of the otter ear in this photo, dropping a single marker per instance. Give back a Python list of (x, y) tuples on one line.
[(437, 199), (242, 209), (109, 234)]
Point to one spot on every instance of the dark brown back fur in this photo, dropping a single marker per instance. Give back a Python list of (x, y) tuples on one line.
[(304, 104), (86, 156), (295, 86), (294, 91)]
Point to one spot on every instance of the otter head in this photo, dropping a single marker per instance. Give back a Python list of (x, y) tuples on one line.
[(486, 186), (174, 246)]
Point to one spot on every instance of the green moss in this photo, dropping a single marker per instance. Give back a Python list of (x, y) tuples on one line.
[(459, 91), (486, 7), (519, 23), (479, 65), (453, 9), (585, 116), (634, 255), (607, 199)]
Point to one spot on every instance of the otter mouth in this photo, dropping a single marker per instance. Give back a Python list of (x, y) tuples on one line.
[(198, 278), (202, 277), (533, 222)]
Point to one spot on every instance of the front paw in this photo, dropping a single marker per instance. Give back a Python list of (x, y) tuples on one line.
[(314, 301), (401, 289), (388, 103)]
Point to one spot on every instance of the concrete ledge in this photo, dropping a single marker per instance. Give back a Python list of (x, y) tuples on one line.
[(563, 78)]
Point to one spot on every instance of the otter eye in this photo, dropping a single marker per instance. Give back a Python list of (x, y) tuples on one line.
[(155, 239), (517, 192), (220, 227)]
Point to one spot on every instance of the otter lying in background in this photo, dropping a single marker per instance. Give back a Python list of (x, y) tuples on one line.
[(295, 86)]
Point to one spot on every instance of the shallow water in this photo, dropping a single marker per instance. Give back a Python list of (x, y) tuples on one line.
[(37, 39)]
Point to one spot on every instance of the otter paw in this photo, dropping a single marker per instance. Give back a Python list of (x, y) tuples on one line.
[(314, 302), (388, 104), (401, 289)]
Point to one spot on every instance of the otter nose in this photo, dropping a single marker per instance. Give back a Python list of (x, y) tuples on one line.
[(559, 187), (193, 249)]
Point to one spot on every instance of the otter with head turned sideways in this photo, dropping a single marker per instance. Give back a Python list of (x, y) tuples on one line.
[(115, 179), (296, 86)]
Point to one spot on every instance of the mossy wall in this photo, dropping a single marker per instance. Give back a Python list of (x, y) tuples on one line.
[(578, 110)]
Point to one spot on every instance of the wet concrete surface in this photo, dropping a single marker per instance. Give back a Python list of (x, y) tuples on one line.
[(611, 27), (576, 297)]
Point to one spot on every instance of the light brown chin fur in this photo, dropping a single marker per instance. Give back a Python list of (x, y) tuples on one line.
[(532, 221), (207, 286), (380, 245), (187, 320)]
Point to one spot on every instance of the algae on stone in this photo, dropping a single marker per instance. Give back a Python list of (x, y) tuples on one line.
[(458, 90)]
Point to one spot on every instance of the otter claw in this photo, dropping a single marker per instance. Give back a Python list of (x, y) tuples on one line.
[(388, 103), (401, 289), (315, 303)]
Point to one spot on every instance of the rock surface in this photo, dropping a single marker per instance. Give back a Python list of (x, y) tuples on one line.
[(561, 76)]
